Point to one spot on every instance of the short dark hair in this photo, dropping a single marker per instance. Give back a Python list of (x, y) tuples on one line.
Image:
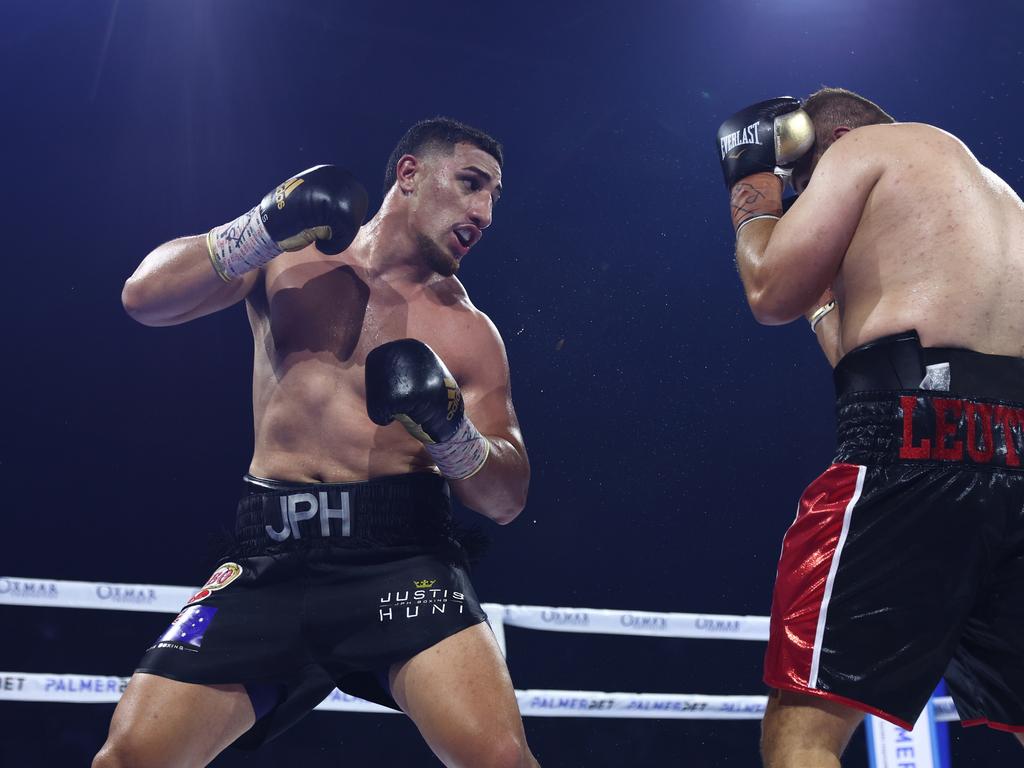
[(830, 108), (438, 133)]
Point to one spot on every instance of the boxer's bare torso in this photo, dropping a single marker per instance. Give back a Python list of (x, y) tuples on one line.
[(938, 245), (314, 319)]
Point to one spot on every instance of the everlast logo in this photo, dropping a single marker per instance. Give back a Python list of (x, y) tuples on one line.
[(748, 135), (297, 507), (948, 429)]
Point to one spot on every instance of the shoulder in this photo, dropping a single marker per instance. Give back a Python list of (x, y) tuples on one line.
[(867, 152), (896, 139), (461, 311), (477, 326), (449, 292), (473, 342)]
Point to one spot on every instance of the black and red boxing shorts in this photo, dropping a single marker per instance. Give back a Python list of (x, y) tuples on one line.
[(328, 586), (906, 559)]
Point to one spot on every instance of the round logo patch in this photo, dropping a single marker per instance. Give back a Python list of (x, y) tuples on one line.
[(223, 576)]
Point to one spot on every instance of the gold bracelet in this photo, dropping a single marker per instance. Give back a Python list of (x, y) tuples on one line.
[(819, 314)]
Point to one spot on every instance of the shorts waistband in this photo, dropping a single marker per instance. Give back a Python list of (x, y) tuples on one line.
[(899, 401), (387, 511), (900, 363)]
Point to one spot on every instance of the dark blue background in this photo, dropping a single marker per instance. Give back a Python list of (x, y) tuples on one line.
[(670, 435)]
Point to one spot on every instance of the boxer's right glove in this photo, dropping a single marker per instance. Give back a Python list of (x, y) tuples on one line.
[(768, 137), (324, 204), (406, 381)]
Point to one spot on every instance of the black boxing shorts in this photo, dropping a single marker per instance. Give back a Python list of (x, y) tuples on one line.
[(906, 559), (328, 586)]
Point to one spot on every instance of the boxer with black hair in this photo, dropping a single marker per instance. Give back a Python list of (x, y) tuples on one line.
[(379, 391), (906, 559)]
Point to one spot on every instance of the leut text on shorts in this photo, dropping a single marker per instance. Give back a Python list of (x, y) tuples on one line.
[(952, 429)]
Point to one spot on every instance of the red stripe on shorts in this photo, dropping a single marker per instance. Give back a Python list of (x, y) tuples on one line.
[(994, 725), (803, 584)]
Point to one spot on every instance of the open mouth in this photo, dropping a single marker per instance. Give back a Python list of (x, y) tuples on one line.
[(467, 235)]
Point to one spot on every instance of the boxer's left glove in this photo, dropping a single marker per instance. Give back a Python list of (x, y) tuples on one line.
[(767, 137), (406, 381)]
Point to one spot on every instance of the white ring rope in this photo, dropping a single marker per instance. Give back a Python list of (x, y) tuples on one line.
[(75, 688), (167, 599)]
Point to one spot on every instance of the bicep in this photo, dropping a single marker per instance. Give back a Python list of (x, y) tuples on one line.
[(486, 387)]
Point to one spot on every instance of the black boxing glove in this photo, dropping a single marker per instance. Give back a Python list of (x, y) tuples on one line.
[(407, 382), (324, 204), (768, 137)]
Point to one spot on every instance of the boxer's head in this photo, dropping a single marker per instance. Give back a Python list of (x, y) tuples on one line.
[(834, 111), (449, 177)]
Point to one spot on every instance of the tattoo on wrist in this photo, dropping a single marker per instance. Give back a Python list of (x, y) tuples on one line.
[(755, 197)]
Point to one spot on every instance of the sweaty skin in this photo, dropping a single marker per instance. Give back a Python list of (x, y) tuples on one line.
[(909, 230), (315, 317)]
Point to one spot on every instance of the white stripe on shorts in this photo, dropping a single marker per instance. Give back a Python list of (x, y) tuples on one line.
[(812, 681)]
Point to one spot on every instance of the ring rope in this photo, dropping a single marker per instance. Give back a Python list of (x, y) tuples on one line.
[(96, 689), (169, 599)]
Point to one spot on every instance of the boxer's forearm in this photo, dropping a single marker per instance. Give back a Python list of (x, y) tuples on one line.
[(498, 490), (194, 276), (751, 244), (174, 281)]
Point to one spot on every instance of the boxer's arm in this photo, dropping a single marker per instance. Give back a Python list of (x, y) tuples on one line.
[(175, 283), (787, 264), (498, 490), (323, 205)]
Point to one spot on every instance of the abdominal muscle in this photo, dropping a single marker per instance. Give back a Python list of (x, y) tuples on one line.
[(311, 426)]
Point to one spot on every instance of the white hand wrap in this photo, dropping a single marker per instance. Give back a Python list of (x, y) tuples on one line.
[(240, 246), (463, 454)]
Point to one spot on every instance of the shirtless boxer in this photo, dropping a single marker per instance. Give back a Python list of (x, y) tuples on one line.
[(346, 572), (906, 559)]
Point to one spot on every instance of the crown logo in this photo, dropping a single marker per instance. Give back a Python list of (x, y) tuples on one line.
[(425, 584)]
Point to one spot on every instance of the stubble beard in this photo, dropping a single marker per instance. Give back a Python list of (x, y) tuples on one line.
[(439, 260)]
